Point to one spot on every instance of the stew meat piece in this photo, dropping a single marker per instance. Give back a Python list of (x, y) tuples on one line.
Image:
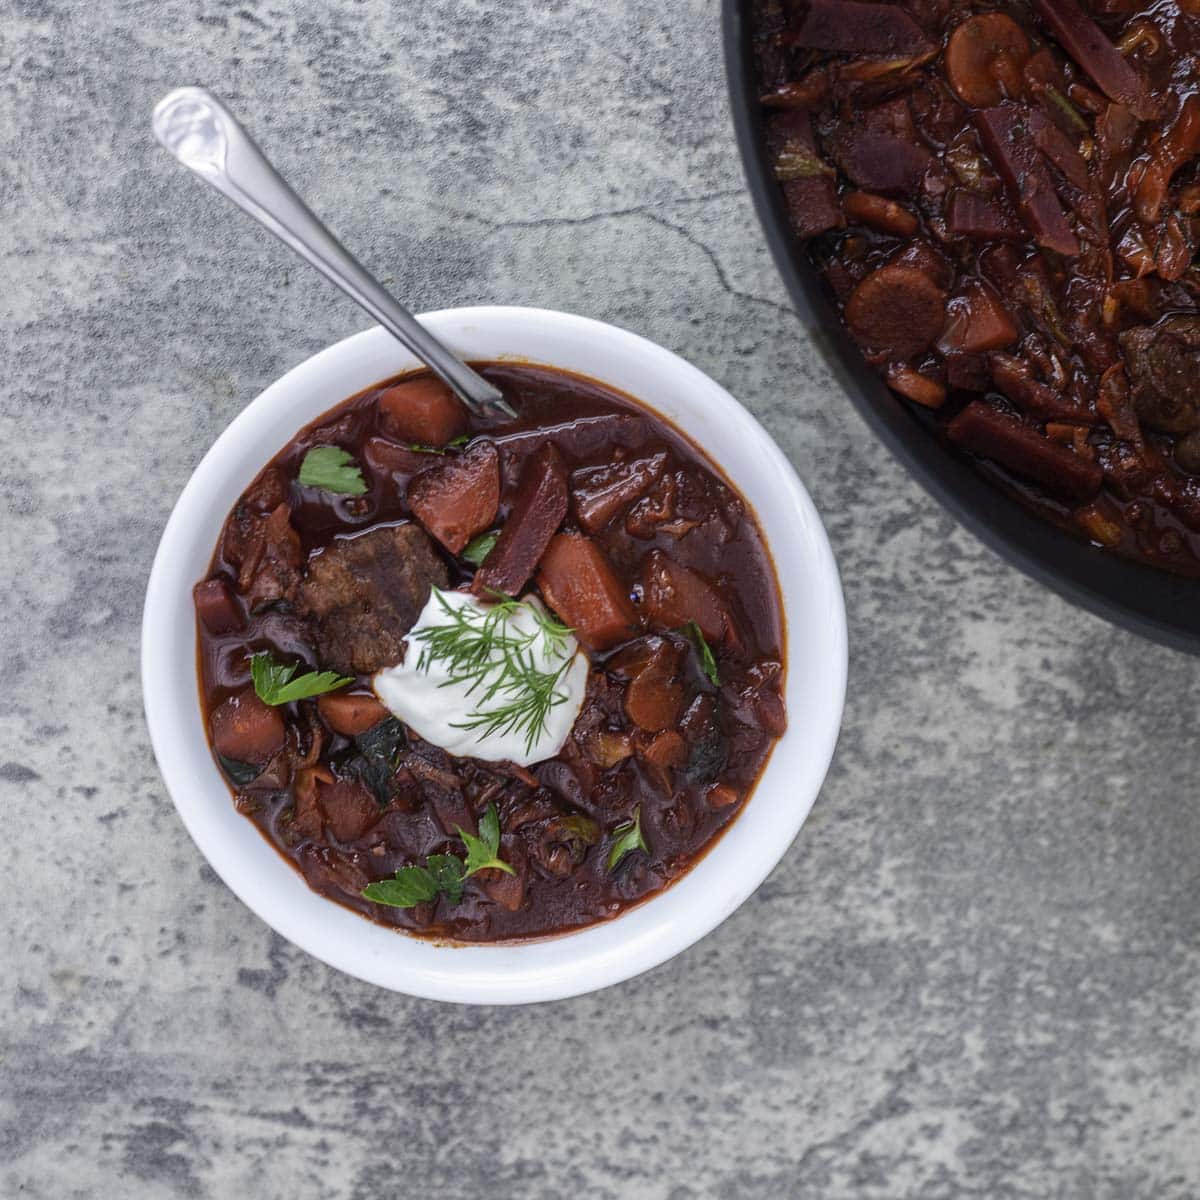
[(623, 531), (1006, 206), (363, 594)]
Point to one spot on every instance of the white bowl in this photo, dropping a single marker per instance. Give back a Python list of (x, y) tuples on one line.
[(640, 938)]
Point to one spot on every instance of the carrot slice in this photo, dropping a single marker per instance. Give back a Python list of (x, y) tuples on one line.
[(422, 410), (580, 584), (897, 310), (676, 595), (880, 213), (247, 730), (350, 713), (984, 59)]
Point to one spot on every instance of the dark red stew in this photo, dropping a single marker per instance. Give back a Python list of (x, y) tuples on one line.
[(628, 537), (1004, 199)]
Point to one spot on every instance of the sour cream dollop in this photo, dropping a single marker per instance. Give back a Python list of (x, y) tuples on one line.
[(423, 693)]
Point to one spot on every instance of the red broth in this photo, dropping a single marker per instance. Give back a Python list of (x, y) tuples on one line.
[(627, 533)]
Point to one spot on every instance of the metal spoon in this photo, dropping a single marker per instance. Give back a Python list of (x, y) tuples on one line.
[(205, 136)]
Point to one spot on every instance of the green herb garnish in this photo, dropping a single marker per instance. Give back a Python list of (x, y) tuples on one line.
[(707, 659), (480, 548), (334, 470), (453, 444), (498, 661), (277, 683), (1065, 107), (796, 161), (442, 875), (484, 851), (627, 838)]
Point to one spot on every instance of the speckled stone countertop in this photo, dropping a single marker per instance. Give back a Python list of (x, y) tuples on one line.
[(976, 972)]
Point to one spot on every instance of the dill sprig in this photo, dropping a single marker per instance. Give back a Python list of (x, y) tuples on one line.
[(482, 649)]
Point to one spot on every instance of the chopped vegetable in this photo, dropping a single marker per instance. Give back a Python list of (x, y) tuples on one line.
[(246, 730), (350, 713), (859, 28), (537, 512), (241, 773), (422, 412), (458, 498), (1084, 40), (580, 584), (333, 470), (379, 753), (984, 58)]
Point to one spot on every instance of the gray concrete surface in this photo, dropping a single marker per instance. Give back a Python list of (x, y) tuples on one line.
[(976, 972)]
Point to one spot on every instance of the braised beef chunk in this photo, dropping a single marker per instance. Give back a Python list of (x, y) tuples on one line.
[(363, 594), (648, 569), (1004, 201), (1163, 362)]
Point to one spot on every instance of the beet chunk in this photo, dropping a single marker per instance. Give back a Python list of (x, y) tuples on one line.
[(883, 151), (216, 606), (897, 310), (538, 511), (808, 182), (457, 498), (990, 434), (363, 594), (1007, 135), (349, 808), (1084, 40), (852, 27)]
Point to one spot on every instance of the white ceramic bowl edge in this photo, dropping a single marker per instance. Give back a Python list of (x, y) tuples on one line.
[(644, 936)]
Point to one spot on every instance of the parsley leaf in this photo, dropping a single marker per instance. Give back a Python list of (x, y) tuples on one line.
[(277, 683), (707, 659), (477, 550), (442, 875), (627, 837), (484, 851), (453, 444), (332, 469)]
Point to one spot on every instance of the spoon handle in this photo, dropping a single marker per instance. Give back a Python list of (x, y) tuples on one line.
[(205, 136)]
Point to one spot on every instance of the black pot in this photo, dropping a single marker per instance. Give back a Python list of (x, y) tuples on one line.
[(1149, 601)]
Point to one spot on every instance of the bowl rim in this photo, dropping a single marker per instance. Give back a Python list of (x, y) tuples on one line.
[(1143, 599), (596, 956)]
